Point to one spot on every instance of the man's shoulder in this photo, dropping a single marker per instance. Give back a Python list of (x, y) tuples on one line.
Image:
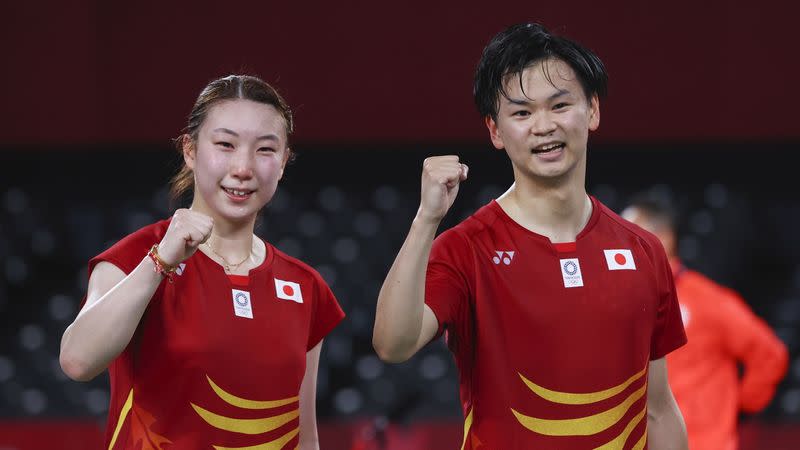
[(614, 225), (479, 222), (460, 240)]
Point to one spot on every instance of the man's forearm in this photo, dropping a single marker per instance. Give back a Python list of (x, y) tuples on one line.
[(399, 314), (666, 431)]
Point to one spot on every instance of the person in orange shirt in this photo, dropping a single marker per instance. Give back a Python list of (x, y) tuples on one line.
[(723, 333)]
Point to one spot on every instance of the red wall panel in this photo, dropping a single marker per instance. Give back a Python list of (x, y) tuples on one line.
[(371, 72)]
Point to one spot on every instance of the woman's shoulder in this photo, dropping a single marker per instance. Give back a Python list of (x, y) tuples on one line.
[(132, 248), (155, 230), (147, 235), (284, 263)]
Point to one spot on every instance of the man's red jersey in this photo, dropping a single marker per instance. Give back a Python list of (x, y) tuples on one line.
[(553, 341), (216, 361)]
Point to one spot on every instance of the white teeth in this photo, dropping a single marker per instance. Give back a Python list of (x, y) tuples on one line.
[(547, 148), (237, 192)]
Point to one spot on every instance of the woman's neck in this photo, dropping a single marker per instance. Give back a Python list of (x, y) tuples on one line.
[(232, 244)]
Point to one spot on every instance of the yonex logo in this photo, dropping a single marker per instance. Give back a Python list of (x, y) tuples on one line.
[(570, 268), (505, 257)]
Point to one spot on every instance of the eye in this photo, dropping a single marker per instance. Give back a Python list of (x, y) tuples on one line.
[(224, 144), (521, 113), (266, 150), (561, 105)]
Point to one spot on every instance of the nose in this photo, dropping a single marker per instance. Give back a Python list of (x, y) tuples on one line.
[(242, 164), (542, 124)]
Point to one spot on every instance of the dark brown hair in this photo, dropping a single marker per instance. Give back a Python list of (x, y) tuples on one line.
[(228, 88)]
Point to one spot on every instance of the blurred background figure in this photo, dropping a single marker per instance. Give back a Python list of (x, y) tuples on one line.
[(733, 361)]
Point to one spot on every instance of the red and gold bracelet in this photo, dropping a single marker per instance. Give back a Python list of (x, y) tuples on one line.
[(160, 266)]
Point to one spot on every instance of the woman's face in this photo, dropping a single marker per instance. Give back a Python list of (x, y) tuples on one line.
[(238, 158)]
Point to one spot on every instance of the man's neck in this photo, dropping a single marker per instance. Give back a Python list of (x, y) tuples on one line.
[(559, 212)]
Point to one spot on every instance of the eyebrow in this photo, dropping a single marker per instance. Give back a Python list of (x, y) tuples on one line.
[(526, 100), (270, 137)]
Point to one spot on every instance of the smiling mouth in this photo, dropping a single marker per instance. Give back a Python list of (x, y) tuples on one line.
[(547, 148), (238, 193)]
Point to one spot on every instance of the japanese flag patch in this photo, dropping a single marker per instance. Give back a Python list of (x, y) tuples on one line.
[(288, 290), (620, 259)]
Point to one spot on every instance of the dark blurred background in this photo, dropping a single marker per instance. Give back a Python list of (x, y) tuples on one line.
[(702, 107)]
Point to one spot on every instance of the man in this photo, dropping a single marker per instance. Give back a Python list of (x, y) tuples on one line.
[(723, 333), (558, 312)]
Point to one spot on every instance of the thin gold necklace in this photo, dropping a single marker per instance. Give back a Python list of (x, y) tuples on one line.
[(226, 265)]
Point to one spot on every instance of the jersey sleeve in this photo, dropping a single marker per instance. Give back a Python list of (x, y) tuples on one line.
[(668, 333), (326, 313), (447, 283), (127, 253)]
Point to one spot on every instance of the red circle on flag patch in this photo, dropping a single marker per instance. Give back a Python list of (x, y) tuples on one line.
[(288, 290), (619, 258)]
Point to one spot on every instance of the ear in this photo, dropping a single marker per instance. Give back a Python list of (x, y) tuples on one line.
[(189, 151), (594, 113), (286, 155), (494, 133)]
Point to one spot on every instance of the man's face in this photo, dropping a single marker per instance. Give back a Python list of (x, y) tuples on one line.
[(544, 122)]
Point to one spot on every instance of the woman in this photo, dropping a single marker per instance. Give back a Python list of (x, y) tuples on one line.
[(224, 353)]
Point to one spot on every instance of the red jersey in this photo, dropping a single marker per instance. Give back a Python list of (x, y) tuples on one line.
[(553, 341), (723, 333), (216, 360)]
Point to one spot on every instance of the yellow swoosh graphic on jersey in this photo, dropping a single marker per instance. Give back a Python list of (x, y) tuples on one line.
[(582, 426), (250, 426), (123, 413), (277, 444), (642, 440), (467, 426), (245, 403), (245, 426), (570, 398), (619, 442)]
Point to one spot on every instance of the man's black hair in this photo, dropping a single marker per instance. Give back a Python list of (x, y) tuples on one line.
[(511, 51)]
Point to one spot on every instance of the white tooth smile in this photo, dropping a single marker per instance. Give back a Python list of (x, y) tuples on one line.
[(237, 192), (547, 148)]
